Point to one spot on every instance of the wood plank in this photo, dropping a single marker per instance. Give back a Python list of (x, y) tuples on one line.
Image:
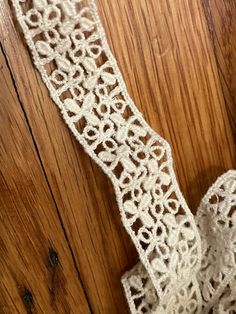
[(165, 54), (36, 267), (91, 218), (221, 18)]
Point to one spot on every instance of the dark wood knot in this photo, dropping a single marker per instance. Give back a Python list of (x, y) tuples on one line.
[(27, 298), (53, 258)]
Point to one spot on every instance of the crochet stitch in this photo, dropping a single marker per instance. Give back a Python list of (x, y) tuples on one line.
[(216, 221), (70, 50)]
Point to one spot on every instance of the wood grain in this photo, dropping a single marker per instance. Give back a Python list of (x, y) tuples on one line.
[(221, 17), (91, 219), (165, 53), (36, 267)]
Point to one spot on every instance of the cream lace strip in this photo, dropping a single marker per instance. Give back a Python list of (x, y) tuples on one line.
[(70, 51), (216, 222)]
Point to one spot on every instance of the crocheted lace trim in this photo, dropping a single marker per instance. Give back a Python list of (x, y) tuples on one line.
[(70, 51), (216, 221)]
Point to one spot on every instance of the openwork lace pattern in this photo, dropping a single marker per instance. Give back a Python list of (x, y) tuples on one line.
[(70, 51), (216, 222)]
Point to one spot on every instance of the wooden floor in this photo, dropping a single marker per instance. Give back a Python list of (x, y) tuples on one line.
[(62, 246)]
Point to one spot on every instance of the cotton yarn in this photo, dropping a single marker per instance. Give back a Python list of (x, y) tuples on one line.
[(182, 268)]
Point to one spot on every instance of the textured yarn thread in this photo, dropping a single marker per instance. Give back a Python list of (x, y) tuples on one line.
[(70, 50), (216, 221)]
